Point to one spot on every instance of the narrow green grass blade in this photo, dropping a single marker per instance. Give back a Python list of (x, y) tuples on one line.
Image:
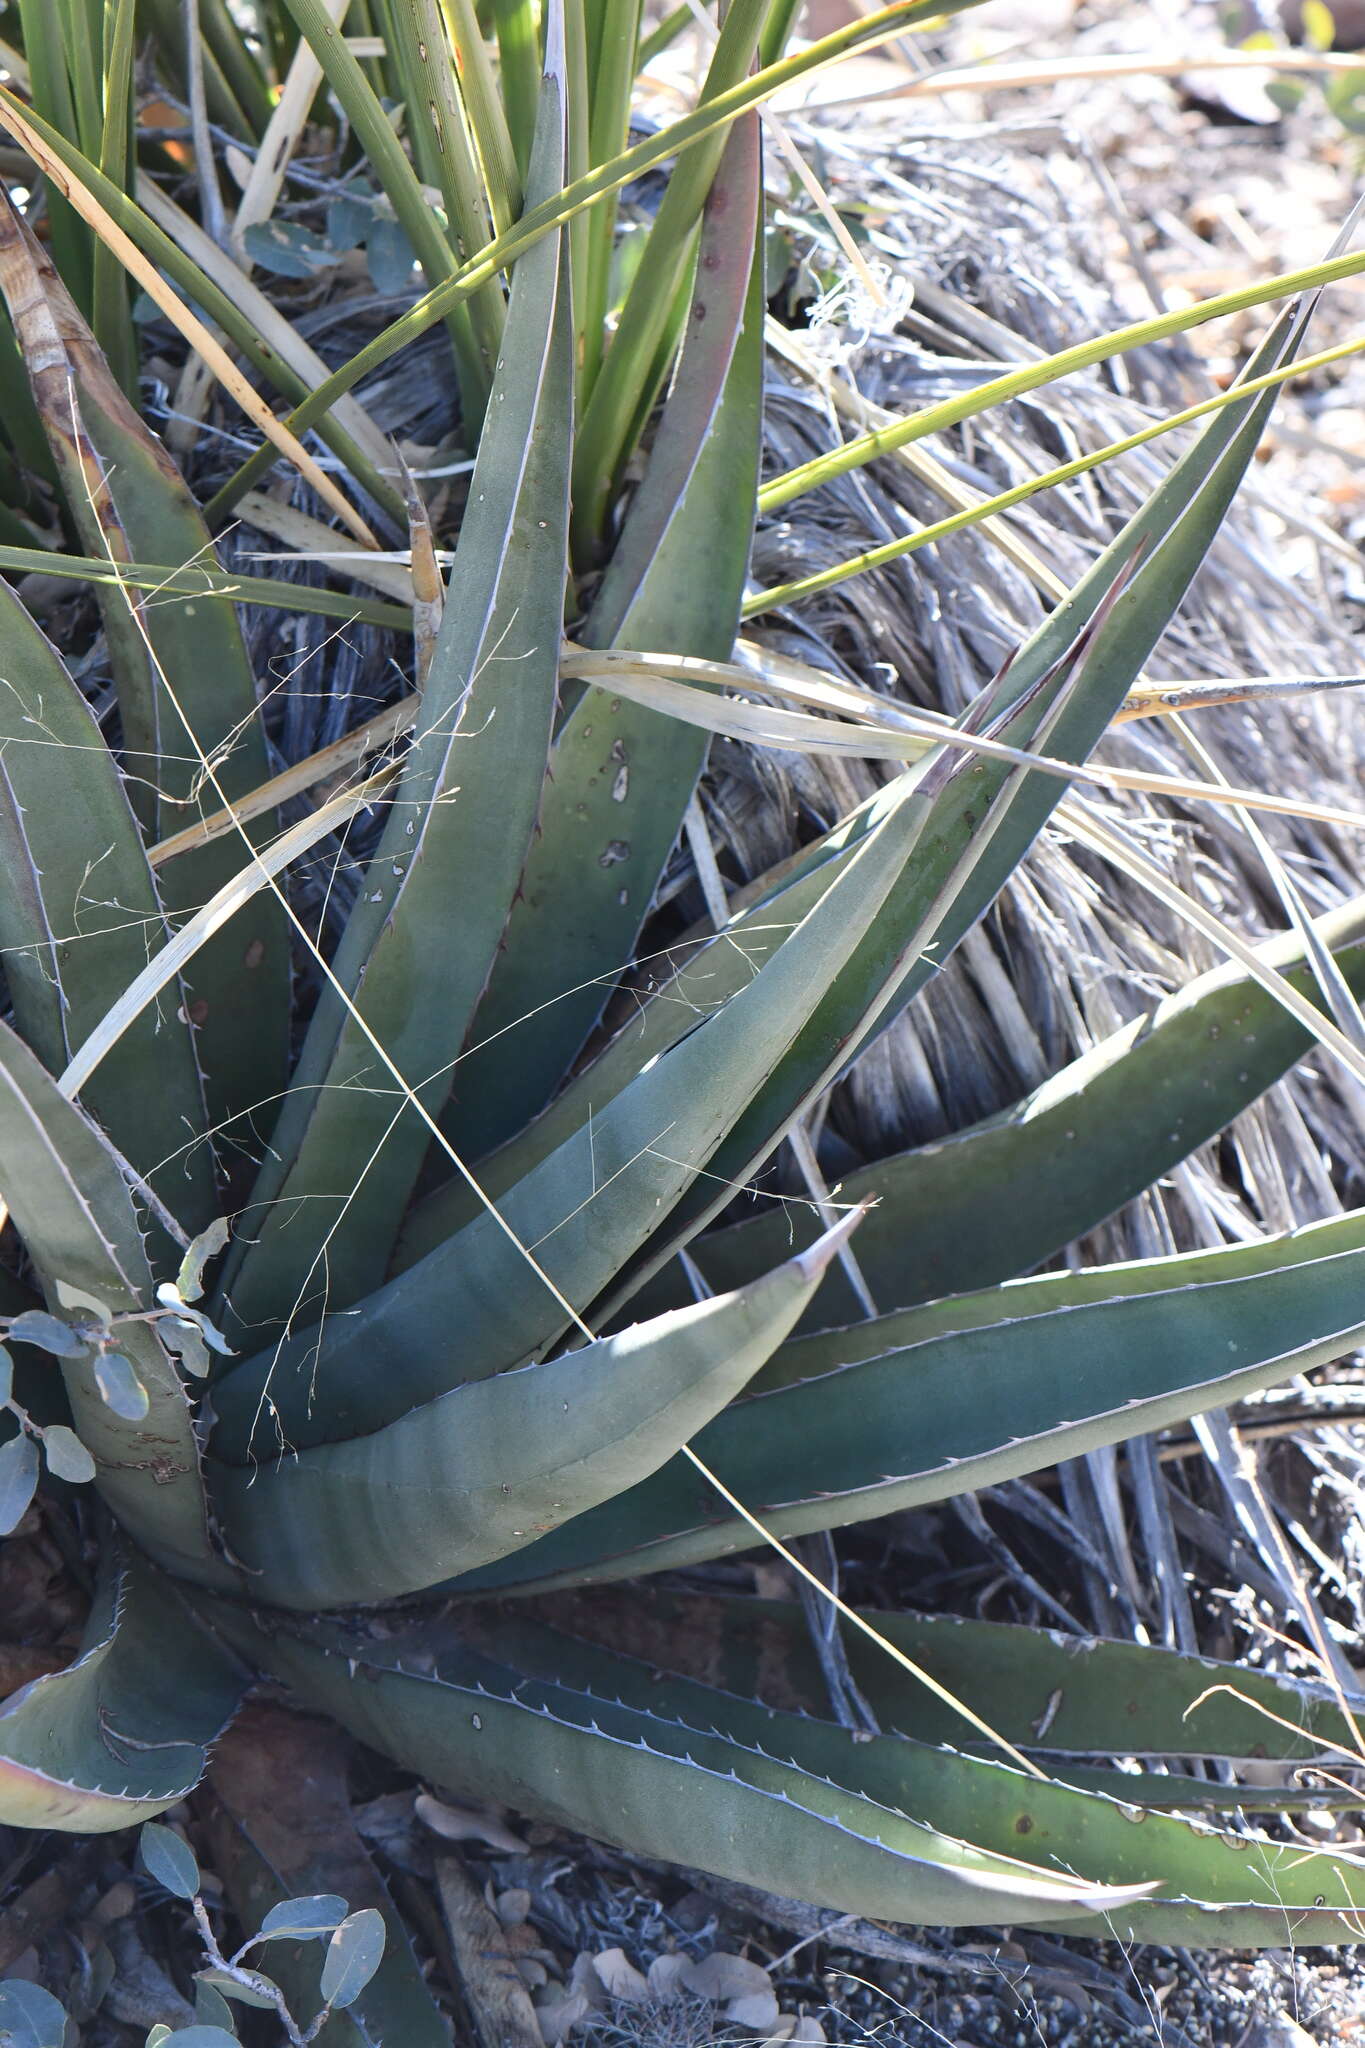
[(696, 127), (486, 113), (123, 1733), (948, 1216), (185, 686), (79, 915), (622, 381), (50, 84), (204, 579), (475, 1474), (70, 1203), (519, 65), (621, 776), (1072, 1696), (346, 1151), (919, 1406), (473, 336), (653, 1787), (111, 315), (611, 56)]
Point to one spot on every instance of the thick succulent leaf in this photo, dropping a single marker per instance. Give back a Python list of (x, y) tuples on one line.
[(947, 1217), (1039, 1689), (130, 503), (483, 1470), (992, 1805), (587, 1206), (651, 1786), (122, 1733), (421, 941), (70, 1202), (988, 816), (622, 775), (960, 869), (79, 914), (980, 1389)]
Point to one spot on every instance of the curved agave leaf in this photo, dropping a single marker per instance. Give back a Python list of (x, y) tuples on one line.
[(988, 816), (122, 1733), (130, 503), (947, 1216), (1196, 1874), (965, 860), (70, 1202), (79, 915), (587, 1206), (483, 1470), (622, 775), (652, 1786), (1039, 1689), (983, 1388), (466, 807)]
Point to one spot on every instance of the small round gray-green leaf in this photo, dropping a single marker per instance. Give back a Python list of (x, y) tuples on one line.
[(6, 1376), (120, 1388), (186, 1340), (225, 1986), (353, 1955), (203, 2037), (29, 2016), (348, 222), (49, 1333), (67, 1457), (169, 1860), (160, 2032), (211, 2009), (301, 1919), (18, 1484), (287, 249), (389, 258)]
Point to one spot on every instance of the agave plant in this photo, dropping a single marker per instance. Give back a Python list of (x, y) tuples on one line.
[(473, 1339)]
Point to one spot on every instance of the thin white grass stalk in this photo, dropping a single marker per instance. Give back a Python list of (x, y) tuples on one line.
[(186, 322), (1115, 847), (799, 732), (989, 77)]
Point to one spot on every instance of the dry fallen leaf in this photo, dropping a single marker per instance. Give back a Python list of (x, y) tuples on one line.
[(807, 2030), (722, 1975), (757, 2013), (512, 1906), (463, 1823), (665, 1973), (558, 2014), (620, 1976)]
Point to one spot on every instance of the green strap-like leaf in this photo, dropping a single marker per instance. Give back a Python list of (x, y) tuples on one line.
[(178, 662), (71, 1205), (621, 775), (652, 1786), (987, 817), (991, 1805), (976, 1390), (79, 916), (483, 1470), (947, 1217), (587, 1206), (121, 1734), (1067, 1696), (419, 946)]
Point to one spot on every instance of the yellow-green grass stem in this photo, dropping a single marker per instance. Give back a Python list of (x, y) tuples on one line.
[(925, 536)]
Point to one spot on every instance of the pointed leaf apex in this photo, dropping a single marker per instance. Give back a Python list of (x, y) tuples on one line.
[(813, 1262)]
